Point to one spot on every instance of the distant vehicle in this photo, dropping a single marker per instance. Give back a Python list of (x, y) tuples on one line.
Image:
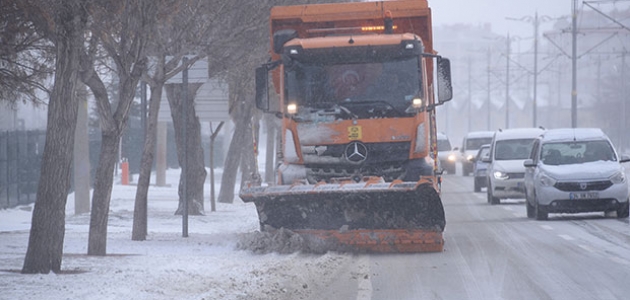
[(480, 167), (446, 154), (470, 145), (508, 150), (575, 170)]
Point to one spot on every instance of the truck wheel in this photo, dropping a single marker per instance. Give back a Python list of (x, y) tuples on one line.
[(540, 212), (622, 213)]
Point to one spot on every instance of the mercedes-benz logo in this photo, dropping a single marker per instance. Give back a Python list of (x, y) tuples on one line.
[(356, 152)]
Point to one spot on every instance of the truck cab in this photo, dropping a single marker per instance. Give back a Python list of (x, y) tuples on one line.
[(356, 97)]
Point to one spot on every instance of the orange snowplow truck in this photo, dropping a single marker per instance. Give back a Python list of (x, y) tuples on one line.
[(354, 89)]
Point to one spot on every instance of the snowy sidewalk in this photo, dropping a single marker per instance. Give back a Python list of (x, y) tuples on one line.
[(206, 265)]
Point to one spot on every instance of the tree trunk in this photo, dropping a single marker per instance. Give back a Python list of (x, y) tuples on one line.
[(195, 172), (249, 169), (45, 244), (240, 139), (139, 231), (97, 241)]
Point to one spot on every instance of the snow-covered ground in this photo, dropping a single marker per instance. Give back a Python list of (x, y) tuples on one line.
[(205, 265)]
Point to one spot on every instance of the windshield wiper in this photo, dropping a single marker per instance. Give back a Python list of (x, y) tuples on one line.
[(388, 105), (332, 108)]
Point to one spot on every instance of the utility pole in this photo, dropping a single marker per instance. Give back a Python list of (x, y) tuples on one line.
[(469, 94), (574, 66), (507, 83), (624, 98), (534, 101), (536, 22), (488, 90)]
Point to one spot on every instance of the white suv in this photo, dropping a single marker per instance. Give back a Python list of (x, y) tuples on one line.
[(508, 150), (575, 170)]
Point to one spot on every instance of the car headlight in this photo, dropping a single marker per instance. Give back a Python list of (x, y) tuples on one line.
[(470, 157), (546, 180), (620, 177), (501, 175), (452, 157)]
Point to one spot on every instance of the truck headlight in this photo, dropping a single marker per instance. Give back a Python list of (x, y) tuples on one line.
[(417, 102), (618, 178), (292, 108), (452, 157), (501, 175)]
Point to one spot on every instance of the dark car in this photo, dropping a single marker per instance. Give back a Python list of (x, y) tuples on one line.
[(480, 167)]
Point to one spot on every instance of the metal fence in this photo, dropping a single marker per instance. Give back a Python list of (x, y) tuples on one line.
[(20, 158)]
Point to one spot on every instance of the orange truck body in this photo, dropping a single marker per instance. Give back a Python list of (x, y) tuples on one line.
[(355, 94)]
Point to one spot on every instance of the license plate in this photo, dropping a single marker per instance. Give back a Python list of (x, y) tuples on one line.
[(583, 195)]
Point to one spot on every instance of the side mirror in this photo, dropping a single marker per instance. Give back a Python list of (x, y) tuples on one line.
[(445, 86), (624, 158), (262, 88), (529, 163), (456, 148), (486, 159)]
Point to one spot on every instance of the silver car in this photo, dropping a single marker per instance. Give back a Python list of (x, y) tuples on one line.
[(505, 173), (575, 170)]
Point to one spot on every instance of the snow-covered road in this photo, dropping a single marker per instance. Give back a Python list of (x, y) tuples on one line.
[(491, 252)]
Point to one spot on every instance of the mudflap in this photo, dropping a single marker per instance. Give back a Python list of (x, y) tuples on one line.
[(364, 217)]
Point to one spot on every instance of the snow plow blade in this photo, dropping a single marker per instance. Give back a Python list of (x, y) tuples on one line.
[(368, 216)]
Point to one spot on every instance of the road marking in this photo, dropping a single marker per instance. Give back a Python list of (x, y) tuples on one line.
[(566, 237), (587, 248), (364, 288), (619, 260), (508, 208), (546, 227)]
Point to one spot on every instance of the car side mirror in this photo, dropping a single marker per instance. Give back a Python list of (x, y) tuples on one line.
[(456, 148), (529, 163), (624, 158), (486, 159)]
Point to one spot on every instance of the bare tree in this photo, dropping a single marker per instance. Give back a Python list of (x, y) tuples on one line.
[(241, 80), (26, 54), (184, 31), (122, 29), (64, 23)]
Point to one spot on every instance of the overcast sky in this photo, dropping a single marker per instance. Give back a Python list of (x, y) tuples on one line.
[(476, 12)]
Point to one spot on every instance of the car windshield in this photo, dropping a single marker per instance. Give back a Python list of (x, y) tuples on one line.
[(443, 145), (360, 88), (566, 153), (513, 149), (476, 143)]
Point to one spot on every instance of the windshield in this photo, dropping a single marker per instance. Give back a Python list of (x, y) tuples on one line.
[(476, 143), (513, 149), (567, 153), (443, 145), (364, 89)]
